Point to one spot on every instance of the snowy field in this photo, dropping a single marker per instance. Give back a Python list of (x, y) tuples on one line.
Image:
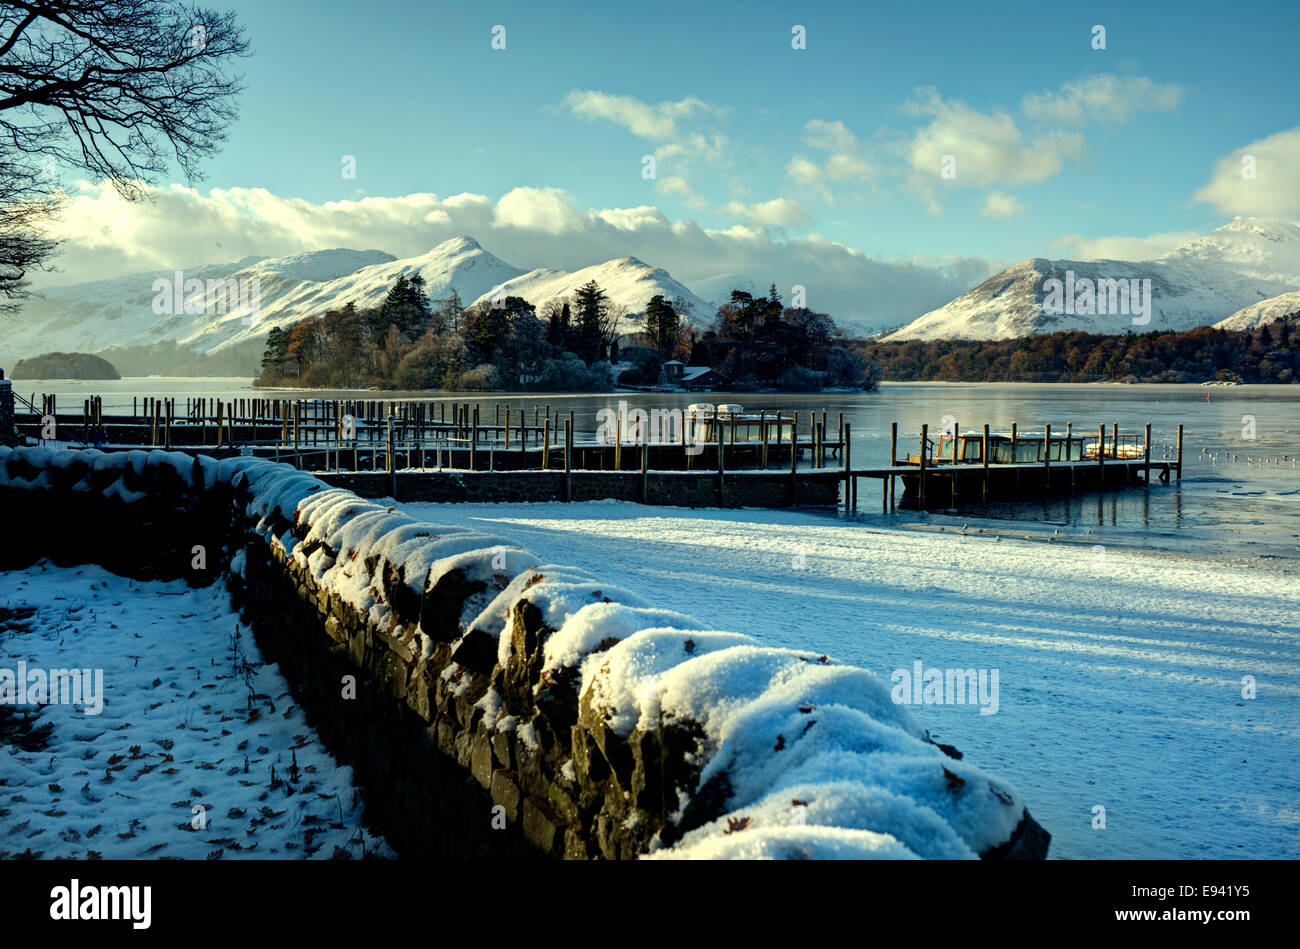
[(1120, 674), (198, 750)]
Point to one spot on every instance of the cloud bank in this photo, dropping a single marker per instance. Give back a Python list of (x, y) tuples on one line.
[(180, 227)]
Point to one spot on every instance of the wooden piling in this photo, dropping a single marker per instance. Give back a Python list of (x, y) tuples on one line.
[(1146, 455), (645, 470), (1101, 455), (1180, 451), (956, 432), (721, 456), (893, 458), (794, 457), (925, 431), (568, 459), (984, 455)]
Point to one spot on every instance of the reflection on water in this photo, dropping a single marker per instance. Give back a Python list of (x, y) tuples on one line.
[(1238, 496)]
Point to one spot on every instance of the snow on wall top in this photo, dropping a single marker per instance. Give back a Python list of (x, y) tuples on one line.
[(818, 759)]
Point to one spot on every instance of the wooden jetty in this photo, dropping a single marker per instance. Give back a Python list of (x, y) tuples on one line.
[(733, 455), (964, 467)]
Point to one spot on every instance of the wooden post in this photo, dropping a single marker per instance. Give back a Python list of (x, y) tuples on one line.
[(893, 458), (1146, 455), (392, 458), (167, 426), (794, 457), (1069, 451), (618, 444), (546, 444), (645, 468), (1114, 440), (1180, 451), (568, 460), (721, 455), (1047, 457), (762, 424), (1101, 455), (821, 442), (984, 456), (925, 432), (507, 424), (1015, 457), (956, 440), (848, 472), (473, 442)]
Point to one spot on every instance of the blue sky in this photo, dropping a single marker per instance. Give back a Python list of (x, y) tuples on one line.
[(415, 91), (1060, 149)]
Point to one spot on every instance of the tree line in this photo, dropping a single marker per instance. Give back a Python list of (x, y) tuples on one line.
[(412, 342), (1267, 354)]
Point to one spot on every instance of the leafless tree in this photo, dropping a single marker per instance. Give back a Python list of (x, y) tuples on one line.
[(121, 90)]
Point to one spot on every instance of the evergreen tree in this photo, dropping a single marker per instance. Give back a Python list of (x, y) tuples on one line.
[(277, 351), (592, 305), (662, 325)]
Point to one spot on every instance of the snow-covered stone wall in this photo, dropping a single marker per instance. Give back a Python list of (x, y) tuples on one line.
[(494, 704)]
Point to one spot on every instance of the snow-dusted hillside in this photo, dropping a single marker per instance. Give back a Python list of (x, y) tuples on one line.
[(120, 312), (87, 317), (630, 283), (1200, 283), (1266, 311), (458, 264)]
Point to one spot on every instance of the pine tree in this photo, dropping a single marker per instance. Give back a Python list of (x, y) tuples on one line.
[(593, 307), (662, 325), (277, 351)]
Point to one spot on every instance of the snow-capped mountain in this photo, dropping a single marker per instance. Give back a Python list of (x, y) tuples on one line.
[(458, 264), (125, 311), (1263, 312), (629, 283), (1246, 261), (122, 311)]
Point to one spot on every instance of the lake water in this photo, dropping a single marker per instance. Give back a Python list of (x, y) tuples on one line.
[(1239, 497)]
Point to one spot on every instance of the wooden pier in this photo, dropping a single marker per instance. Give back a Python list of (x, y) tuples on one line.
[(729, 459), (933, 480)]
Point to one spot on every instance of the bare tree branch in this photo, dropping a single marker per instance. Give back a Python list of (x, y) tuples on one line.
[(121, 90)]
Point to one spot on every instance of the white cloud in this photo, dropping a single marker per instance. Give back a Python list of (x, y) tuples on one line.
[(1274, 191), (779, 213), (528, 227), (844, 159), (1078, 247), (677, 186), (549, 210), (988, 148), (1102, 98), (654, 122), (999, 204)]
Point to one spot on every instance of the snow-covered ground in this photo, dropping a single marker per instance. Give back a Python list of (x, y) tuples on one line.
[(1120, 671), (199, 750)]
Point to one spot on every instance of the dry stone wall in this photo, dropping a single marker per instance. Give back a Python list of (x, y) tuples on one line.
[(495, 706)]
